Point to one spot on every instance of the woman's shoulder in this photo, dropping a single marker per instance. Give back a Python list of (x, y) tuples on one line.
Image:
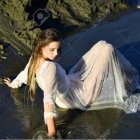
[(52, 65), (49, 65), (52, 68)]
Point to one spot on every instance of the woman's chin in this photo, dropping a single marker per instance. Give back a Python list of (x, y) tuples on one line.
[(51, 59)]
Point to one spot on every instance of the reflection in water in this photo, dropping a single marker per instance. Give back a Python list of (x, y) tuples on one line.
[(93, 124), (70, 123), (30, 114)]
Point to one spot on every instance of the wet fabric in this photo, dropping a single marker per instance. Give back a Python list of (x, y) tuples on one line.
[(100, 79)]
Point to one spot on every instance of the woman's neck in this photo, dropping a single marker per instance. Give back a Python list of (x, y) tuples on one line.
[(41, 60)]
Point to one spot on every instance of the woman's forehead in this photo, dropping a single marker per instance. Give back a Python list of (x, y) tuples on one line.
[(54, 45)]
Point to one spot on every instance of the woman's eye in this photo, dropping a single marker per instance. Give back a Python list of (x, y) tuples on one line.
[(51, 50)]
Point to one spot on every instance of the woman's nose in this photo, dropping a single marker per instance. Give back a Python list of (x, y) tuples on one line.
[(55, 53)]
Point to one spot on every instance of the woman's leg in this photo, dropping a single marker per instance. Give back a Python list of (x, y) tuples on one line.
[(100, 72)]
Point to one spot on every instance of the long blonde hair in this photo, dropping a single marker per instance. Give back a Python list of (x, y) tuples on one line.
[(44, 38)]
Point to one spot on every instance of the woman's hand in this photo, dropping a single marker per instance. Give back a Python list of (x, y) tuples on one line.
[(7, 81), (51, 126)]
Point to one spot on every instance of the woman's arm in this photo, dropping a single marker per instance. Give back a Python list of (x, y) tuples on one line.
[(20, 79), (50, 113), (49, 119)]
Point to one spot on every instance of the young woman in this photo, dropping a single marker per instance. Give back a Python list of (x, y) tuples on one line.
[(94, 82)]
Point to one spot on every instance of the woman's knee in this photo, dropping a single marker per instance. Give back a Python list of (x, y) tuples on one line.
[(109, 47), (106, 46)]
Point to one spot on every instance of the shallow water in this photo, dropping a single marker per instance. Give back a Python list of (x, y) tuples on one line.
[(20, 119), (26, 121)]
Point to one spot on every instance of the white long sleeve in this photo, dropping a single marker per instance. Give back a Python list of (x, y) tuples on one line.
[(21, 77), (49, 80)]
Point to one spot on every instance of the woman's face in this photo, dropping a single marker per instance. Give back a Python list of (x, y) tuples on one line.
[(51, 51)]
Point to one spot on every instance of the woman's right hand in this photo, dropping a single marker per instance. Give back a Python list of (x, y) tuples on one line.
[(51, 126), (7, 81)]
